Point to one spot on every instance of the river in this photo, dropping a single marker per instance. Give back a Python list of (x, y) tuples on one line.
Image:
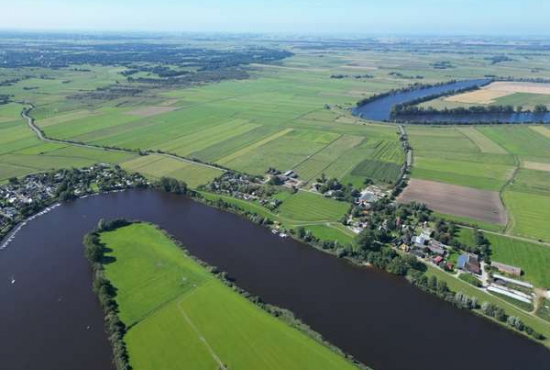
[(50, 319), (380, 109)]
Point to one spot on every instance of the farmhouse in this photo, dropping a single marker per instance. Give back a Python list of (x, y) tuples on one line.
[(470, 263), (436, 248), (507, 269)]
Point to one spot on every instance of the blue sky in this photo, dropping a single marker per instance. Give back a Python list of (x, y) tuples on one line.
[(492, 17)]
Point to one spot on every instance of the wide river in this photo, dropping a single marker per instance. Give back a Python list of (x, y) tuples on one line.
[(380, 109), (50, 319)]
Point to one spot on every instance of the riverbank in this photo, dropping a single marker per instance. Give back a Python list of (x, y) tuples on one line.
[(189, 284), (401, 106), (358, 309)]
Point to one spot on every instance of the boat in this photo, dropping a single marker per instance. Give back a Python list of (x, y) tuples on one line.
[(13, 280)]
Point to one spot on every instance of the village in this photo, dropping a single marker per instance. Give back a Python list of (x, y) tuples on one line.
[(493, 277), (21, 199)]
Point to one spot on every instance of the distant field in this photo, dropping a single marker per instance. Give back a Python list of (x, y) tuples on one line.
[(519, 140), (157, 166), (184, 317), (483, 142)]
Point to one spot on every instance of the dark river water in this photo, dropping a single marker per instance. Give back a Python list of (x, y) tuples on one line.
[(50, 319), (380, 109)]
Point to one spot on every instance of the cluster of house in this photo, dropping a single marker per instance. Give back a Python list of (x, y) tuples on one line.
[(425, 247), (500, 280), (365, 200), (18, 195), (370, 195)]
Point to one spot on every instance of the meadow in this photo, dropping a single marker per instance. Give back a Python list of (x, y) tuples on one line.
[(181, 315), (306, 206)]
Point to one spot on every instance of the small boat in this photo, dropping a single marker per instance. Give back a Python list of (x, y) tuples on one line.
[(13, 280)]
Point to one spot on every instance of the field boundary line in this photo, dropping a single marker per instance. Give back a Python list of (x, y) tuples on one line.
[(176, 297), (200, 336), (509, 217)]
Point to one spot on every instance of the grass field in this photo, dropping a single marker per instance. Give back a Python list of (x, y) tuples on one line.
[(156, 166), (530, 214), (181, 316), (307, 206)]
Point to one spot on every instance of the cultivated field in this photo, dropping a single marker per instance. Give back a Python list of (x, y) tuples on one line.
[(509, 159), (524, 94), (481, 205), (181, 316)]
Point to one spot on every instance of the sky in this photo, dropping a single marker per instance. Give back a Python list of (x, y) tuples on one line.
[(395, 17)]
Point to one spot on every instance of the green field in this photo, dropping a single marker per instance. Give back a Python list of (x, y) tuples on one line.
[(155, 166), (181, 316), (307, 206)]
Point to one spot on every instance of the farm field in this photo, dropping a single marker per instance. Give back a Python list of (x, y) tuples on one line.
[(189, 317), (21, 153), (156, 166), (293, 115), (232, 125), (479, 205), (508, 159), (306, 206), (524, 94)]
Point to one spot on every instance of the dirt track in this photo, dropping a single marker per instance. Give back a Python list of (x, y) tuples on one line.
[(456, 200)]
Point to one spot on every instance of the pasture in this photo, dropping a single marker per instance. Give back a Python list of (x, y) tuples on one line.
[(181, 315), (306, 206), (156, 166)]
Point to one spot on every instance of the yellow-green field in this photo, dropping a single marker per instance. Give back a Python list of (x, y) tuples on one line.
[(181, 316)]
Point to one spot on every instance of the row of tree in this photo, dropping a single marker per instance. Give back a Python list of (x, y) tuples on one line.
[(412, 87), (106, 293), (410, 109)]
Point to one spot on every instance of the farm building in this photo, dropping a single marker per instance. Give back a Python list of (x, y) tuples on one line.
[(470, 263), (436, 248), (507, 269)]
